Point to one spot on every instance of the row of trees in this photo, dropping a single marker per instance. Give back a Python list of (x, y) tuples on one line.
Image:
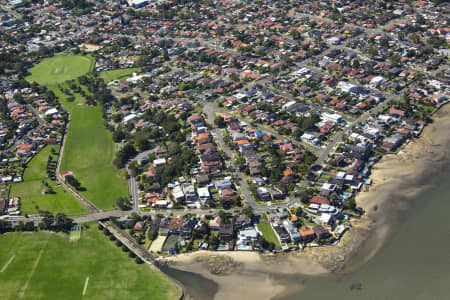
[(118, 243), (51, 168), (123, 203), (70, 179), (58, 223)]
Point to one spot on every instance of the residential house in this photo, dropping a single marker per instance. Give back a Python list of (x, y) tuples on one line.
[(215, 223), (243, 221), (321, 233), (282, 234), (226, 231)]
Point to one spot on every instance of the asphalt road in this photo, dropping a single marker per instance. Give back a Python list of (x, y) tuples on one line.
[(210, 108), (132, 184)]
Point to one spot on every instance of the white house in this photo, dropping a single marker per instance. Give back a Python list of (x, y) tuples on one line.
[(289, 104), (178, 194), (159, 162), (340, 175), (376, 81), (347, 87), (300, 72), (248, 235), (51, 111), (203, 194), (334, 40), (336, 118), (328, 187), (310, 139), (130, 118)]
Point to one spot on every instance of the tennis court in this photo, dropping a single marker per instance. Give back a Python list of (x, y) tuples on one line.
[(75, 233)]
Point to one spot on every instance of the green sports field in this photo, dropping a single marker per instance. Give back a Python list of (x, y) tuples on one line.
[(43, 265), (89, 152), (30, 190), (60, 68)]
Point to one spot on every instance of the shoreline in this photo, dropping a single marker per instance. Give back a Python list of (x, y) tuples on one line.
[(229, 270), (399, 177)]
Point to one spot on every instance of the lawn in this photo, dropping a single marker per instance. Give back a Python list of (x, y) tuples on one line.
[(269, 234), (60, 68), (45, 265), (117, 74), (30, 190), (89, 152)]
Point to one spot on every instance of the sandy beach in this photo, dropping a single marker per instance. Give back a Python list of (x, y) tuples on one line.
[(246, 275), (396, 179)]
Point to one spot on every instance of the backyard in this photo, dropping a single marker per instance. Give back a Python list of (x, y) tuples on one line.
[(268, 233), (117, 74)]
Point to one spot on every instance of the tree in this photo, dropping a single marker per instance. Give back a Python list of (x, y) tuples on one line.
[(303, 195), (4, 226), (63, 223), (139, 261), (219, 121), (248, 211), (47, 221), (29, 226), (299, 212), (214, 241), (123, 203), (124, 154), (266, 244), (222, 214), (411, 53), (372, 51), (117, 117), (142, 141), (70, 179), (118, 135), (239, 162), (19, 98), (350, 203)]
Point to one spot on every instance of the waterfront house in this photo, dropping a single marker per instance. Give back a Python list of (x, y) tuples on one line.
[(307, 235), (226, 231), (321, 233)]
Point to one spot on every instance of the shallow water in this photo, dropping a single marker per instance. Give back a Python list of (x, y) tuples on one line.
[(198, 287), (413, 264)]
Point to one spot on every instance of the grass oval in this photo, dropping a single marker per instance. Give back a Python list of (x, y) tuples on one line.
[(60, 68)]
